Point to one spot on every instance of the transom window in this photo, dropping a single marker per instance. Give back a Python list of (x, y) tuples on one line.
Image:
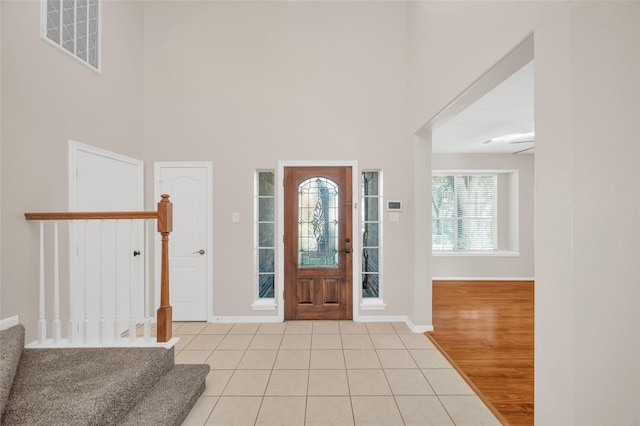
[(74, 27), (463, 212)]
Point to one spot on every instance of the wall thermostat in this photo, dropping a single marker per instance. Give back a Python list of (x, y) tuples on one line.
[(394, 205)]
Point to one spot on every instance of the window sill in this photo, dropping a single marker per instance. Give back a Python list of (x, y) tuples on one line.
[(372, 304), (495, 253), (264, 305)]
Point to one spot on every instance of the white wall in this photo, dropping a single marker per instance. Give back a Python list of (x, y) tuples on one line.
[(517, 212), (605, 110), (245, 84), (47, 99), (587, 152), (1, 316)]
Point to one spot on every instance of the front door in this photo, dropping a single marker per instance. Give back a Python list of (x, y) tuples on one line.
[(188, 184), (317, 245)]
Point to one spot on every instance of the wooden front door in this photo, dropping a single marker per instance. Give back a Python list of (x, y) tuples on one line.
[(317, 243)]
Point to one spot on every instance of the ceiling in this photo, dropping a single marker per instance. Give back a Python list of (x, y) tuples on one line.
[(506, 109)]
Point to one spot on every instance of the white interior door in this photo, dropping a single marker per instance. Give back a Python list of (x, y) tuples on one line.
[(108, 280), (188, 185)]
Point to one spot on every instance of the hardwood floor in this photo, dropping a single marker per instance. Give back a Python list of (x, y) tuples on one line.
[(487, 329)]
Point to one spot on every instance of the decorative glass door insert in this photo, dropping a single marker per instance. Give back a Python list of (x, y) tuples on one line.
[(318, 224)]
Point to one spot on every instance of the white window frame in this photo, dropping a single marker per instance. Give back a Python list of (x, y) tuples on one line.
[(263, 303), (373, 303), (455, 251), (43, 36)]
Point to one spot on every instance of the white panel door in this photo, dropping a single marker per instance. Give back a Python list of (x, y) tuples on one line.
[(188, 185), (108, 279)]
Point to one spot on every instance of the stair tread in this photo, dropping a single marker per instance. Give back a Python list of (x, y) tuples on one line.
[(80, 386), (171, 399)]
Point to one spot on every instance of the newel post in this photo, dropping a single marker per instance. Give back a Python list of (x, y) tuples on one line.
[(165, 226)]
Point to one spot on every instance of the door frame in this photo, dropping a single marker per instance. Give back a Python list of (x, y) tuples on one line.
[(355, 193), (208, 166)]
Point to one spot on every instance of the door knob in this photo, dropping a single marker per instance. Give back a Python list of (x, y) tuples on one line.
[(347, 250), (200, 252), (348, 239), (136, 253)]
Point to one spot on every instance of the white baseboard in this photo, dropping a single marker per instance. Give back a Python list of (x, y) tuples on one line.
[(418, 328), (382, 318), (243, 319), (396, 318), (9, 322), (483, 279), (362, 318)]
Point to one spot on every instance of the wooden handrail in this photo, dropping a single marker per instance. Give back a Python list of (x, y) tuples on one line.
[(91, 215), (164, 216)]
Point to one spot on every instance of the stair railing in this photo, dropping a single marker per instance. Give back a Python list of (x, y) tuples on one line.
[(164, 218)]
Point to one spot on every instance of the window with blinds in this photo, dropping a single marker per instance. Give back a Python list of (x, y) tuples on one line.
[(73, 26), (463, 211)]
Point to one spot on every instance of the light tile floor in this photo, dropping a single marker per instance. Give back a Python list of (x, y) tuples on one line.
[(324, 373)]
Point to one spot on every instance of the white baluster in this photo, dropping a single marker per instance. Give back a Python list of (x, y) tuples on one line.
[(147, 320), (42, 322), (73, 254), (85, 327), (116, 315), (101, 285), (132, 287), (56, 285)]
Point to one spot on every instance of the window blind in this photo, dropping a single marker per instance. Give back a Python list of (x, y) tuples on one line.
[(463, 212)]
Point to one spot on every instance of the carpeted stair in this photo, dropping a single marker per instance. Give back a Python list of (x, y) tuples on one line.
[(94, 386), (179, 388)]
